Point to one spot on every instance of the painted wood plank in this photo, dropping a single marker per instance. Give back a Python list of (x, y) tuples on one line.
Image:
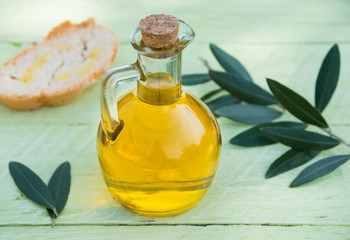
[(176, 232), (294, 65), (285, 40), (246, 21), (239, 193)]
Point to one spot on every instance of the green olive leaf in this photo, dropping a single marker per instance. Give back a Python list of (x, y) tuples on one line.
[(327, 78), (290, 160), (254, 137), (296, 104), (242, 89), (248, 113), (222, 101), (300, 139), (319, 169), (211, 94), (230, 63), (31, 185), (193, 79), (59, 186)]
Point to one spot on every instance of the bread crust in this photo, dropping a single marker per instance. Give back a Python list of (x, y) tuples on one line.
[(67, 95)]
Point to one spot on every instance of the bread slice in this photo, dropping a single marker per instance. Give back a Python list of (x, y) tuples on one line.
[(57, 70)]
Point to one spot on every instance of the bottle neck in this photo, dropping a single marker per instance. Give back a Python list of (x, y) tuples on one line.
[(161, 80)]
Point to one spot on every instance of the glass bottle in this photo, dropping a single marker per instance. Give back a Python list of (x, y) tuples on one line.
[(158, 146)]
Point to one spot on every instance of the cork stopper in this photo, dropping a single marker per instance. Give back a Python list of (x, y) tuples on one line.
[(159, 31)]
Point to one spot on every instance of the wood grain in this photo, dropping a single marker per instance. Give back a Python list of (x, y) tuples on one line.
[(239, 193), (284, 40), (248, 21), (176, 232)]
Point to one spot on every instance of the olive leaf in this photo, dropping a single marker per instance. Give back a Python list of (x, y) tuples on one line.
[(193, 79), (254, 137), (31, 185), (248, 113), (305, 145), (290, 160), (319, 169), (230, 63), (242, 89), (300, 139), (222, 101), (327, 78), (59, 186), (211, 94), (296, 104)]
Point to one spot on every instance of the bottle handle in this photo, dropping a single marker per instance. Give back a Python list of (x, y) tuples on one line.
[(112, 79)]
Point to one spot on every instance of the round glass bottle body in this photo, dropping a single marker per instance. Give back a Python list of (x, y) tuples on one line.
[(158, 146), (164, 159)]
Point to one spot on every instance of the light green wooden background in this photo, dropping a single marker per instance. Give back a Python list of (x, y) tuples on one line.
[(284, 40)]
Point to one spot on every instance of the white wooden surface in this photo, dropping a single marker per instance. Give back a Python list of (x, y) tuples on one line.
[(284, 40)]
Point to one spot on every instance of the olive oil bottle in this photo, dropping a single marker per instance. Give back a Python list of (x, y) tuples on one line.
[(158, 146)]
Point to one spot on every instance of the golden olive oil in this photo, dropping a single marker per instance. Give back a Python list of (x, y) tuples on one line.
[(165, 157)]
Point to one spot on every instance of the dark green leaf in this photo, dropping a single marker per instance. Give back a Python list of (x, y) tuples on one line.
[(296, 104), (192, 79), (290, 160), (254, 137), (59, 186), (327, 78), (244, 90), (211, 94), (248, 113), (300, 139), (31, 185), (230, 63), (319, 169), (222, 101)]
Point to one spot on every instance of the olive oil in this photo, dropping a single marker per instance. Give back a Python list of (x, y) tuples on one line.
[(158, 146), (166, 155)]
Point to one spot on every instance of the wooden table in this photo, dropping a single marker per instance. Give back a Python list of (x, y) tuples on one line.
[(283, 40)]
